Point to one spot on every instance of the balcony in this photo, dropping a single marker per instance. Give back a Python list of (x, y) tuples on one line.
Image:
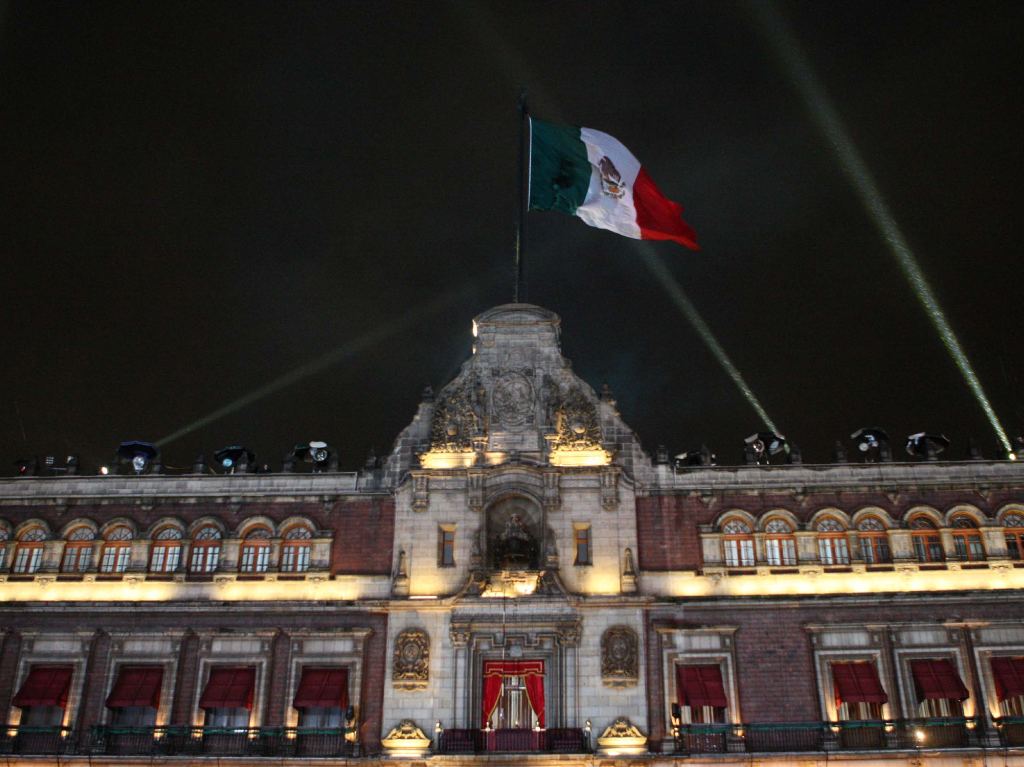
[(557, 740), (36, 740), (217, 741), (839, 736)]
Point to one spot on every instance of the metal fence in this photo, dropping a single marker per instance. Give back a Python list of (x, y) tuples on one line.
[(221, 741)]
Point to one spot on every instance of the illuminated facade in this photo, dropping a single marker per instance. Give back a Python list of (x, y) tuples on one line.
[(517, 577)]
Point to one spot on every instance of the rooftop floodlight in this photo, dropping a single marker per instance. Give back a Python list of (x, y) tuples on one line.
[(763, 445), (26, 467), (139, 454), (699, 457), (234, 458), (927, 446), (873, 443), (316, 452)]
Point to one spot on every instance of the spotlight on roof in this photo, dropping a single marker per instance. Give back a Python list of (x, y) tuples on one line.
[(700, 457), (139, 454), (927, 446), (318, 453), (26, 467), (762, 446), (234, 458), (872, 443)]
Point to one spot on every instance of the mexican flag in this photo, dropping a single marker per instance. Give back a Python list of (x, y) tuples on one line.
[(587, 173)]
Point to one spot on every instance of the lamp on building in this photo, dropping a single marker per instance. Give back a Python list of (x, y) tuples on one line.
[(927, 446), (234, 459), (141, 455), (873, 444), (26, 467), (318, 453), (760, 447)]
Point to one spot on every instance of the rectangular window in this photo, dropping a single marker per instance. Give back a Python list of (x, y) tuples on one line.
[(780, 551), (77, 558), (1014, 548), (739, 552), (833, 551), (295, 558), (928, 548), (940, 691), (446, 546), (115, 558), (582, 537), (1008, 674), (255, 558), (701, 694), (165, 558), (859, 694), (874, 549), (205, 557), (28, 559)]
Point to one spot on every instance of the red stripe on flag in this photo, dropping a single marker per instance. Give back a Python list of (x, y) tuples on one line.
[(658, 217)]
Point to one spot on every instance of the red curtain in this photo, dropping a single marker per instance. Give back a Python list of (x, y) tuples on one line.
[(137, 686), (322, 688), (701, 686), (937, 680), (44, 686), (496, 670), (857, 683), (229, 688), (1009, 677)]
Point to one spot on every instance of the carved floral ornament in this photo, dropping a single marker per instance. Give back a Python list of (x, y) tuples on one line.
[(411, 664), (620, 665)]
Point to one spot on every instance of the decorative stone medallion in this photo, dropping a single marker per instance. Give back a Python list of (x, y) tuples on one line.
[(513, 400), (619, 657), (411, 665)]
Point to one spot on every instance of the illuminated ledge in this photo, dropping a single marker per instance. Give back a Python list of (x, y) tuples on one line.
[(812, 582), (342, 589), (438, 460), (595, 457)]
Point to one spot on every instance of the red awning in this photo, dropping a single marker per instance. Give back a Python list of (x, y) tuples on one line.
[(322, 688), (937, 680), (858, 683), (44, 686), (1009, 676), (137, 686), (525, 668), (701, 686), (229, 688)]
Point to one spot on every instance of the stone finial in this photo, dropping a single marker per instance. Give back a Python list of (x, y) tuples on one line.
[(400, 582), (629, 576)]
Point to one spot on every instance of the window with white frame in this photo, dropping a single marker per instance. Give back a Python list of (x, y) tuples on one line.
[(833, 548), (737, 544), (295, 550), (166, 555), (28, 554), (779, 543), (874, 541), (1008, 675), (78, 550), (117, 550)]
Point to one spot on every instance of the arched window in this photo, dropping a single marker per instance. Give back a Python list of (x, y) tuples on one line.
[(166, 554), (738, 544), (833, 548), (28, 555), (779, 543), (967, 539), (874, 541), (117, 550), (4, 536), (295, 550), (255, 556), (205, 550), (78, 550), (927, 543), (1014, 524)]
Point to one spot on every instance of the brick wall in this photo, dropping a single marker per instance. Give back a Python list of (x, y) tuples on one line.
[(363, 537)]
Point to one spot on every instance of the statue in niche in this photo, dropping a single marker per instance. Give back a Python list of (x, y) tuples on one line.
[(517, 550)]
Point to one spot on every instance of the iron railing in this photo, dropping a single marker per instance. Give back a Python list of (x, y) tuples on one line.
[(36, 740), (1011, 731), (561, 740), (876, 735), (222, 741)]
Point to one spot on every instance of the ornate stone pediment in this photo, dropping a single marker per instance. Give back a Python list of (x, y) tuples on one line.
[(406, 740), (621, 737), (411, 665)]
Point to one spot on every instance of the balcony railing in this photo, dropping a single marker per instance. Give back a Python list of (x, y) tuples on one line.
[(562, 740), (875, 735), (222, 741), (1011, 731), (36, 740)]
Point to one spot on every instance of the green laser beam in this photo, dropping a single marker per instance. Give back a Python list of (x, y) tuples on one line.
[(785, 46), (683, 303)]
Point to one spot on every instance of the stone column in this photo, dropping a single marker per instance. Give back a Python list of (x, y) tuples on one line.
[(461, 674)]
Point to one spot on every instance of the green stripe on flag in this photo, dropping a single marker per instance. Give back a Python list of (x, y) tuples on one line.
[(559, 170)]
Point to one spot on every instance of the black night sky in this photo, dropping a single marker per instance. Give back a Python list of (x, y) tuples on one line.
[(201, 198)]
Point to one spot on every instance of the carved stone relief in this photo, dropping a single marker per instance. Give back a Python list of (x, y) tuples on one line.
[(576, 423), (620, 666), (459, 416), (411, 664), (514, 401)]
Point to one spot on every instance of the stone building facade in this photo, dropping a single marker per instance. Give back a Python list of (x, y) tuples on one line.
[(517, 582)]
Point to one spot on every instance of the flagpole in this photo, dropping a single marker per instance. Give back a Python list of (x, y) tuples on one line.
[(519, 287)]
